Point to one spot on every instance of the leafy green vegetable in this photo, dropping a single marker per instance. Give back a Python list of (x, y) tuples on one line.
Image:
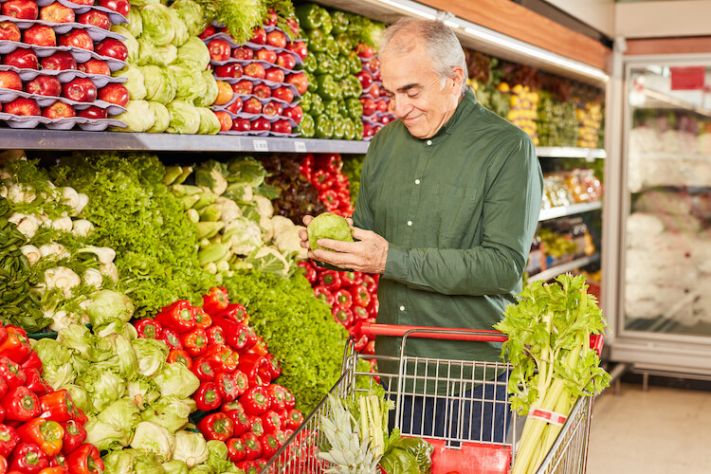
[(106, 306), (184, 118), (154, 439), (194, 52), (134, 82), (180, 29), (150, 53), (162, 117), (191, 448), (190, 86), (239, 16), (211, 90), (170, 412), (175, 467), (191, 13), (135, 22), (138, 117), (209, 123), (328, 226), (102, 386), (158, 27), (160, 85), (176, 380), (151, 355), (119, 461)]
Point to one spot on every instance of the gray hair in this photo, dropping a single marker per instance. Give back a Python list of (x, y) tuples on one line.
[(441, 43)]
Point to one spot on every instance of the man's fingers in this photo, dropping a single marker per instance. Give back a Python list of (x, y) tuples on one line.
[(343, 260), (337, 245), (307, 219), (361, 234), (350, 221)]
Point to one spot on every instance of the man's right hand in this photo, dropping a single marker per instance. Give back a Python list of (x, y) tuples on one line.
[(303, 235)]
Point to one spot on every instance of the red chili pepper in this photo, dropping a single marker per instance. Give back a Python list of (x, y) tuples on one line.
[(21, 404), (85, 460), (216, 336), (207, 397), (149, 328), (344, 298), (181, 357), (256, 401), (8, 440), (54, 470), (172, 338), (252, 448), (29, 458), (330, 280), (324, 294), (236, 451), (59, 406), (274, 367), (203, 369), (215, 301), (226, 386), (270, 445), (178, 316), (33, 381), (47, 434), (271, 421), (217, 426), (240, 421), (294, 419), (343, 315), (222, 358), (195, 342), (235, 312), (32, 362), (11, 372), (256, 368), (74, 436), (16, 346)]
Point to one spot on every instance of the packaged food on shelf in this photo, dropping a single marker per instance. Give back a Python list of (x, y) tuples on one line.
[(564, 188)]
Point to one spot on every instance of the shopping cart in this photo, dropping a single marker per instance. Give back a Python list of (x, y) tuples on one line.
[(462, 447)]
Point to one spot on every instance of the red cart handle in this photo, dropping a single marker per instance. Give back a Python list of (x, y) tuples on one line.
[(453, 334)]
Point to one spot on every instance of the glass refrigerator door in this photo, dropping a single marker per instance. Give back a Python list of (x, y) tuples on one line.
[(667, 237)]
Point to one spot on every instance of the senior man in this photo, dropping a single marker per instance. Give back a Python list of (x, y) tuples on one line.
[(449, 202)]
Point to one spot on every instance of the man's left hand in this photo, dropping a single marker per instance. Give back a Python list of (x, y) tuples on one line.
[(368, 254)]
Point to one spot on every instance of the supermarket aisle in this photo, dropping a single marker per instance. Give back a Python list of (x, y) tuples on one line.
[(661, 431)]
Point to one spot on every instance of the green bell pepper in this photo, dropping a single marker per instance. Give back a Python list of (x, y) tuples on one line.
[(339, 127), (340, 67), (331, 47), (317, 106), (306, 101), (358, 129), (354, 106), (354, 64), (346, 45), (310, 63), (331, 109), (317, 40), (324, 127), (328, 88), (342, 108), (324, 64), (307, 126), (327, 22), (313, 86), (351, 87), (349, 129), (339, 20), (311, 16)]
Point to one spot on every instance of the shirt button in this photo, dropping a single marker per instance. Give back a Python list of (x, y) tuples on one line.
[(409, 223), (402, 308), (429, 142), (417, 181)]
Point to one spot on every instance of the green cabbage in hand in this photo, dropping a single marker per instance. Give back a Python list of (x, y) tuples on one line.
[(328, 226)]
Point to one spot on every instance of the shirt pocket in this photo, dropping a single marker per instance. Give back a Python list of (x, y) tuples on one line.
[(460, 211)]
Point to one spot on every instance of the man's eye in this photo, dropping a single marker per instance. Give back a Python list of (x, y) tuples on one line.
[(412, 94)]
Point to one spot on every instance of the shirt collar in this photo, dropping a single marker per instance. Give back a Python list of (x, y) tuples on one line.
[(465, 105)]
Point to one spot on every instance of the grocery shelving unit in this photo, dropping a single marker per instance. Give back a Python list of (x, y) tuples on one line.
[(573, 209), (570, 152), (553, 272)]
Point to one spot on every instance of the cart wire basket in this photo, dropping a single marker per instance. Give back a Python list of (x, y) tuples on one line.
[(460, 407)]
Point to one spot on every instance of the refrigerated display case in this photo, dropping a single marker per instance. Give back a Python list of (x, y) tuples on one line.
[(657, 246)]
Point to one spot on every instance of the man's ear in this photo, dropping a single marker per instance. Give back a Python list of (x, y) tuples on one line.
[(458, 77)]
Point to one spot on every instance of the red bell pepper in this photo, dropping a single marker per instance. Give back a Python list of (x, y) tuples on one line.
[(330, 280), (149, 328), (33, 381), (344, 298), (85, 460), (3, 387), (178, 316), (361, 295), (281, 436), (12, 373), (74, 436), (195, 342), (59, 461), (215, 301), (359, 313), (256, 426), (217, 426), (8, 440), (370, 284), (306, 166), (47, 434), (207, 397), (222, 358), (361, 343), (172, 338), (256, 401), (29, 458), (239, 336), (3, 465), (278, 397), (21, 404), (270, 445), (54, 470), (248, 467), (252, 448), (202, 319), (330, 198), (271, 421), (235, 312), (370, 348), (216, 336), (294, 419), (236, 451), (290, 399), (2, 414), (343, 315), (181, 357), (32, 362), (59, 406), (226, 386), (257, 369), (241, 381), (240, 421), (3, 334), (274, 367), (203, 369), (325, 295), (16, 346), (309, 271), (321, 180)]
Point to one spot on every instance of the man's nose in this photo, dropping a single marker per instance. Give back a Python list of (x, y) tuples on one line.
[(400, 108)]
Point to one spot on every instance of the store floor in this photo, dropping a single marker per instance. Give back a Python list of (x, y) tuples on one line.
[(661, 431)]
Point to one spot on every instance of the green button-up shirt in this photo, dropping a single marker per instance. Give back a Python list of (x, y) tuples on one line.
[(459, 211)]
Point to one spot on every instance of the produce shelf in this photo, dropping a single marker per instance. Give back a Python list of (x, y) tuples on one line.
[(566, 267), (556, 212), (40, 139), (570, 152), (660, 99)]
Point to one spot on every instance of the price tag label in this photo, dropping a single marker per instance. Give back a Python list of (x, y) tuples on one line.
[(260, 145), (299, 146), (590, 157)]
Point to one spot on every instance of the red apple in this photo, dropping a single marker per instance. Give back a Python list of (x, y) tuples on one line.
[(219, 49), (80, 89), (376, 91), (93, 113), (59, 110), (10, 80), (286, 60), (77, 39), (259, 36), (382, 106), (295, 113), (114, 93), (283, 93), (9, 31), (20, 9), (365, 51), (261, 125), (267, 55), (272, 109), (252, 106), (21, 58), (243, 87), (368, 130), (274, 75), (59, 61), (228, 70), (386, 119), (22, 106), (95, 18), (373, 66), (44, 85), (241, 125), (118, 6), (57, 13), (236, 106), (281, 126), (293, 25), (277, 39), (298, 47), (255, 70), (95, 66), (366, 80), (369, 106), (243, 53), (207, 32), (225, 120), (300, 81), (272, 18), (262, 91), (40, 35), (83, 2), (112, 48)]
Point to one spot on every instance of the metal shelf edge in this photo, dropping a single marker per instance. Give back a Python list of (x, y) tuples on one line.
[(571, 152), (553, 272), (556, 212)]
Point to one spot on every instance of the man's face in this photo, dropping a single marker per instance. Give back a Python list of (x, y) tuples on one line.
[(418, 96)]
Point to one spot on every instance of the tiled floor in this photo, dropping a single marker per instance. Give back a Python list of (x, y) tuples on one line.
[(661, 431)]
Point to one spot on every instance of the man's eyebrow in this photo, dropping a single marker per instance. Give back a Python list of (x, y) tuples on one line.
[(407, 87)]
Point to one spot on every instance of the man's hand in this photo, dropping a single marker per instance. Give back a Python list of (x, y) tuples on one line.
[(369, 254)]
